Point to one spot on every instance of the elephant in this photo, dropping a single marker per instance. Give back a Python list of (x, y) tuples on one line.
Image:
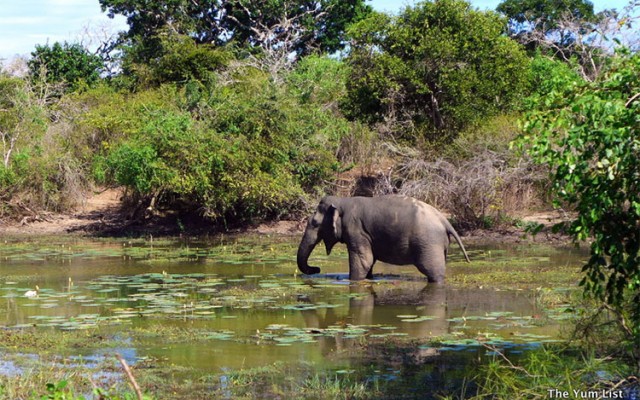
[(394, 229)]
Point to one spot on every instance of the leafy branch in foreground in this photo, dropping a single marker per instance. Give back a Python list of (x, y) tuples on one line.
[(589, 136)]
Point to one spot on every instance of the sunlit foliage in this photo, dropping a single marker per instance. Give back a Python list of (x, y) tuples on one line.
[(435, 68), (588, 134)]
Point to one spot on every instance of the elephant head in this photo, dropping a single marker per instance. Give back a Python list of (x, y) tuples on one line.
[(326, 225)]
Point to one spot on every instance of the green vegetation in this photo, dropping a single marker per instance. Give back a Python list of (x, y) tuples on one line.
[(239, 111), (202, 114), (246, 148), (68, 64), (587, 134), (216, 110), (549, 369), (432, 69)]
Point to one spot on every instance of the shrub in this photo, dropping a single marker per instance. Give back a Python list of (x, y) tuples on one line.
[(248, 149), (547, 78), (434, 69), (68, 64), (588, 138), (39, 171), (477, 178), (478, 192)]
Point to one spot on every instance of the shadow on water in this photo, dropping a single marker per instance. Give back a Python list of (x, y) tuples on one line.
[(209, 307)]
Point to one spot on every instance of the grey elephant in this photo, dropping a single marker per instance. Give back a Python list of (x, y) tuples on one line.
[(393, 229)]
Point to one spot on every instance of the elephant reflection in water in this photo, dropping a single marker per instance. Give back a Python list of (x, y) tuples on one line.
[(379, 304)]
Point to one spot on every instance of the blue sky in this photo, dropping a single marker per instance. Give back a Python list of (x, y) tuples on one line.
[(25, 23)]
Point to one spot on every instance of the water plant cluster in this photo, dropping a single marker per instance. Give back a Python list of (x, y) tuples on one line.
[(186, 310), (117, 300)]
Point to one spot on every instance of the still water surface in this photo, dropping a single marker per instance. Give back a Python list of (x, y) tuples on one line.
[(248, 306)]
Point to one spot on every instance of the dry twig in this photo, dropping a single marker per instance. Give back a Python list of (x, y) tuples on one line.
[(130, 376), (511, 365)]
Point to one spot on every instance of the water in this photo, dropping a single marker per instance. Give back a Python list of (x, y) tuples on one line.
[(225, 304)]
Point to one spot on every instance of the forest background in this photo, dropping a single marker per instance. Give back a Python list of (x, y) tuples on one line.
[(340, 87)]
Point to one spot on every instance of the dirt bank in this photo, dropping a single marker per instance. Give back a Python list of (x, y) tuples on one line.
[(95, 211), (101, 215)]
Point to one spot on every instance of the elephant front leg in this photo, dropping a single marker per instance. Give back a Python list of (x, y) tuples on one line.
[(360, 264), (370, 273)]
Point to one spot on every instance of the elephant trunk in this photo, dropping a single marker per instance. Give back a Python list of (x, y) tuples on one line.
[(308, 243)]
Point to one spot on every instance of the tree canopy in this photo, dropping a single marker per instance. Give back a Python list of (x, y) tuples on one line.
[(543, 14), (438, 66), (68, 64), (306, 25)]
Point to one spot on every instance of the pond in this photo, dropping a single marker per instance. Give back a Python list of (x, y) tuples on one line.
[(208, 308)]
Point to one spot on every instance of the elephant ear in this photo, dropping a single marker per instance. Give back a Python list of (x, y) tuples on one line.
[(336, 222), (335, 235)]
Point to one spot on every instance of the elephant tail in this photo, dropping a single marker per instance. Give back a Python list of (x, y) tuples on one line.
[(452, 232)]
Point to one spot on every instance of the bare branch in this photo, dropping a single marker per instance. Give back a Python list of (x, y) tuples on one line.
[(632, 99), (277, 41), (130, 376), (586, 42)]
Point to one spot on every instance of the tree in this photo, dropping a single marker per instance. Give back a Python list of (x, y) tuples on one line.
[(318, 24), (587, 133), (179, 59), (570, 31), (69, 64), (434, 69), (544, 15)]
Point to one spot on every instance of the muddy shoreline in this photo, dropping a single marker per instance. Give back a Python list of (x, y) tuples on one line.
[(102, 215), (116, 225)]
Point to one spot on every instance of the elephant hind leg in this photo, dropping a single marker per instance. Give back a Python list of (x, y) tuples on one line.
[(432, 265)]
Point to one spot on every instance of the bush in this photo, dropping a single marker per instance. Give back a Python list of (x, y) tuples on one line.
[(178, 60), (69, 64), (136, 166), (587, 136), (479, 192), (248, 149), (39, 170), (434, 69), (477, 178), (548, 78)]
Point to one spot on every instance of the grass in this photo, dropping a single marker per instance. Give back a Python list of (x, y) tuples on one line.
[(281, 380), (278, 380), (52, 341), (530, 376), (525, 268), (562, 369), (62, 379)]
